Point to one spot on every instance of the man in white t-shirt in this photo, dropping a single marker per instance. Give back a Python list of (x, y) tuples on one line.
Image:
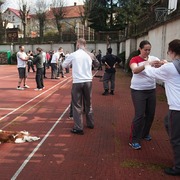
[(21, 65), (54, 64), (44, 63)]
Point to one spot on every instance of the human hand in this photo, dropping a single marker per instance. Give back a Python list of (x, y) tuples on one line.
[(156, 63)]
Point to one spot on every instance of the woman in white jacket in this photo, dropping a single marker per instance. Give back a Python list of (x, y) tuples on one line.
[(169, 73)]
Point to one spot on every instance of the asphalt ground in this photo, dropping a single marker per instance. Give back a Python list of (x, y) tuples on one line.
[(101, 153)]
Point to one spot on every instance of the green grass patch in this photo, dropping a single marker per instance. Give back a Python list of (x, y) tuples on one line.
[(137, 164)]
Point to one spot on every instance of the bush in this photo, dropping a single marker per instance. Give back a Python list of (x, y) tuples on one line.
[(14, 58), (121, 56)]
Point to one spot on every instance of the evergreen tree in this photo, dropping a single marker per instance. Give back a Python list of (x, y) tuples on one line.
[(109, 15), (98, 15)]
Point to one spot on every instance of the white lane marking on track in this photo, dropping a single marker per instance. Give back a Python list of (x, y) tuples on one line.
[(6, 76), (38, 146), (33, 99), (67, 82), (7, 109)]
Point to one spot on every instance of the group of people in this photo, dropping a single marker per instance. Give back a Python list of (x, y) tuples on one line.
[(42, 61), (146, 70), (22, 59)]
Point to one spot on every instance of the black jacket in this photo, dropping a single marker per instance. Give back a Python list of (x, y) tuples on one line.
[(38, 60), (110, 61)]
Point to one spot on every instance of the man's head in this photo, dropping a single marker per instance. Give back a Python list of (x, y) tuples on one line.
[(21, 48), (81, 43), (109, 50), (39, 50), (60, 49)]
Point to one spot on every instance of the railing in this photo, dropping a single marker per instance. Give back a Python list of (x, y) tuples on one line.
[(149, 22)]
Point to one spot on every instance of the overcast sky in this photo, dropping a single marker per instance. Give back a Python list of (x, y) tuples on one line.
[(14, 3)]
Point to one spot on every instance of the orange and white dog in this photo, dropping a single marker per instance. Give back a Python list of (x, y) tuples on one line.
[(16, 137)]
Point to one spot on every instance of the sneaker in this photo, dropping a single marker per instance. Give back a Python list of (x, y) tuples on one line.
[(70, 118), (112, 92), (26, 86), (135, 145), (37, 89), (90, 127), (75, 131), (172, 172), (105, 93), (147, 138), (20, 88)]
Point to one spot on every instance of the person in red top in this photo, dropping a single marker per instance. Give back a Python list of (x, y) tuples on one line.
[(143, 96)]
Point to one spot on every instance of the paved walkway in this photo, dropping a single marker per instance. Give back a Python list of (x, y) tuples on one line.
[(101, 153)]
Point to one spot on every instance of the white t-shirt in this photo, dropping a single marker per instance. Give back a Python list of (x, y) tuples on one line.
[(44, 56), (142, 81), (55, 57), (20, 62)]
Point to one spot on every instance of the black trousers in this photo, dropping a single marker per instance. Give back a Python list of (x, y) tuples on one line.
[(39, 78), (172, 124), (53, 70)]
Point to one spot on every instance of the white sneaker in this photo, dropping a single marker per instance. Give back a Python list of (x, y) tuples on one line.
[(37, 89), (20, 88), (26, 86)]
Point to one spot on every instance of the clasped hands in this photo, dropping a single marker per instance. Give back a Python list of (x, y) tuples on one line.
[(155, 63)]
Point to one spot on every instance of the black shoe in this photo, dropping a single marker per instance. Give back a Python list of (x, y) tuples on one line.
[(105, 93), (172, 172), (75, 131), (90, 127), (112, 92)]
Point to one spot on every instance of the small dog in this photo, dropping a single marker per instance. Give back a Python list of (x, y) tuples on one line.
[(16, 137)]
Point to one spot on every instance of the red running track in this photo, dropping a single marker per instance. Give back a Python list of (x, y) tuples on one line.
[(101, 154)]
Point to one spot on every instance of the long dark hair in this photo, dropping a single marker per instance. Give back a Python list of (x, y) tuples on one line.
[(143, 43)]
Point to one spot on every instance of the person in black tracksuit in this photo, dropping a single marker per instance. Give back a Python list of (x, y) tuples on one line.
[(110, 62)]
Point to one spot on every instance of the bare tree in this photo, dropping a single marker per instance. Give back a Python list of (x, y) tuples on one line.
[(2, 24), (41, 7), (58, 12), (24, 9)]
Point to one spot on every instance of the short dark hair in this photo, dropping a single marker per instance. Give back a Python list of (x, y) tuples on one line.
[(109, 50), (143, 43), (20, 46), (38, 49), (174, 46)]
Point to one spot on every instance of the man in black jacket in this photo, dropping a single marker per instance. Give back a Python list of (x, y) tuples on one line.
[(38, 60), (110, 62)]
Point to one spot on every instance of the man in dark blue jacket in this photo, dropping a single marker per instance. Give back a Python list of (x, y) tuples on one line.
[(110, 62)]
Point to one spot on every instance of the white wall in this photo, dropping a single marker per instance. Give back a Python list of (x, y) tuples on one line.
[(66, 47), (159, 39)]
